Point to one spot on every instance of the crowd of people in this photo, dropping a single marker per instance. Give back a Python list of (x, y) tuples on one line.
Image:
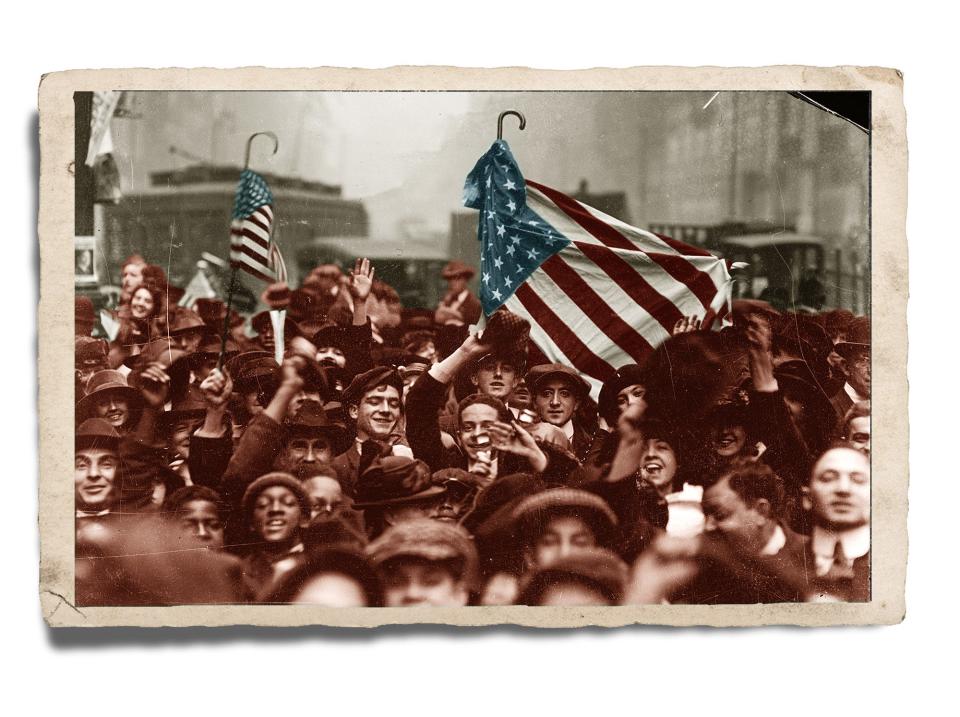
[(397, 458)]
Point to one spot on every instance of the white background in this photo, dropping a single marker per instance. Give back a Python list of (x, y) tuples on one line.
[(788, 671)]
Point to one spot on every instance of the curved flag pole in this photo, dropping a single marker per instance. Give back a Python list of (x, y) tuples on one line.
[(233, 269), (515, 113)]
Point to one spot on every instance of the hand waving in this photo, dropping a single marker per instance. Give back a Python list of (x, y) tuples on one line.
[(361, 279)]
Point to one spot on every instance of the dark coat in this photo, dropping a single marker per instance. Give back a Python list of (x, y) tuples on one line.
[(841, 403), (855, 588), (726, 577), (255, 455)]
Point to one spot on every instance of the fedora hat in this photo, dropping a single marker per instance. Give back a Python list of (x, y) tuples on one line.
[(856, 339), (393, 480), (457, 268), (96, 433), (312, 421)]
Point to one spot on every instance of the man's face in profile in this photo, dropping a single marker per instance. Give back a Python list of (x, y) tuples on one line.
[(727, 513)]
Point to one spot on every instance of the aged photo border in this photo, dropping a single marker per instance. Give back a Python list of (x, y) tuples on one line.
[(888, 311)]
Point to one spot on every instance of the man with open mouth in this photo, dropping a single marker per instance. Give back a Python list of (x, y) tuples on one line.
[(277, 509)]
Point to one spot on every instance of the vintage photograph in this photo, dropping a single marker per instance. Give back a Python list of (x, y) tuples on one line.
[(552, 348)]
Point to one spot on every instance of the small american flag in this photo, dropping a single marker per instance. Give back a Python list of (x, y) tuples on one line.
[(251, 245), (598, 293)]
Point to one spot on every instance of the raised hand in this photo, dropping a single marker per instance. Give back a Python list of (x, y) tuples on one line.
[(513, 438), (216, 389), (361, 279), (154, 384), (290, 372), (758, 333), (686, 324)]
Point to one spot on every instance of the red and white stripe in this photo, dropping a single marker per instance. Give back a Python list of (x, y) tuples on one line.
[(250, 245), (615, 292)]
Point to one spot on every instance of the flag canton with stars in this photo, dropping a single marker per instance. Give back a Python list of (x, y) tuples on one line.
[(252, 193), (514, 240)]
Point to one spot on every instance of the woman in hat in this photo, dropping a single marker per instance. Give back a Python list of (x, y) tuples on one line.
[(108, 396)]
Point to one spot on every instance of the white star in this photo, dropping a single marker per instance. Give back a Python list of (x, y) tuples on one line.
[(550, 239), (510, 250), (486, 278), (501, 230), (520, 270), (509, 184), (496, 294), (488, 182), (511, 205), (532, 223), (508, 282), (491, 215), (497, 262), (531, 254), (515, 239)]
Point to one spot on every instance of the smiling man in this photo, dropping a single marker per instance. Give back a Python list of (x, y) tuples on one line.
[(96, 464), (489, 442), (374, 402), (276, 509)]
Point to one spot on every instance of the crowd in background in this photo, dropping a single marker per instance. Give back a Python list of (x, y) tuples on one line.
[(402, 458)]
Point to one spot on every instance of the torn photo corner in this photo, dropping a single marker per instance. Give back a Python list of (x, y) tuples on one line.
[(281, 412)]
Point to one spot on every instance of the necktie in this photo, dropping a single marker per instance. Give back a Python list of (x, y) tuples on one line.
[(842, 568)]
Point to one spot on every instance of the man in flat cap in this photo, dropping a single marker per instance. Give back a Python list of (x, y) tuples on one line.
[(425, 563), (374, 402), (593, 576), (459, 307), (558, 391), (276, 510)]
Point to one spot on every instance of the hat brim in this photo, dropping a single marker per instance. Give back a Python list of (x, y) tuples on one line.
[(340, 439), (428, 493), (86, 404), (582, 387), (850, 348), (603, 522)]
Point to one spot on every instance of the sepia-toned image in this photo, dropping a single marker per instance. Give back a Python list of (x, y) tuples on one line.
[(477, 347)]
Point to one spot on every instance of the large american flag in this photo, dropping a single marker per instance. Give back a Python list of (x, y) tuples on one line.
[(598, 293), (251, 246)]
